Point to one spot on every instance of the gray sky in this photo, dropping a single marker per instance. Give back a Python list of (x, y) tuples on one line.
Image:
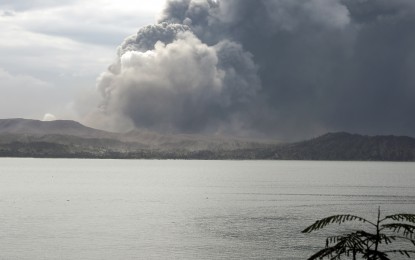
[(52, 51), (287, 69)]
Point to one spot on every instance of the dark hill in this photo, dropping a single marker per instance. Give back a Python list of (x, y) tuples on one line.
[(345, 146), (36, 127), (64, 138)]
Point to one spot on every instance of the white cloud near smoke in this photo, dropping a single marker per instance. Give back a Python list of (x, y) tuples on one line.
[(166, 79), (49, 117)]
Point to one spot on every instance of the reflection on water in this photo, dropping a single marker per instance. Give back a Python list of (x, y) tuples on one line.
[(133, 209)]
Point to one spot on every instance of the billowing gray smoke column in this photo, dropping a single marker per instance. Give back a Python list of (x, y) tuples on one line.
[(166, 79), (282, 68)]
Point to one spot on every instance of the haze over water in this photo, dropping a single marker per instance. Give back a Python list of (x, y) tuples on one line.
[(138, 209)]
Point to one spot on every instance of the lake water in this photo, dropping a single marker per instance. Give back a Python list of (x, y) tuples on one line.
[(139, 209)]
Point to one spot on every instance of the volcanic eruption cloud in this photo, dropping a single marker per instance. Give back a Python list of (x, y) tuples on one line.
[(280, 68)]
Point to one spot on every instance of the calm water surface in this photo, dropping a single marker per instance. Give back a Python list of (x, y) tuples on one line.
[(138, 209)]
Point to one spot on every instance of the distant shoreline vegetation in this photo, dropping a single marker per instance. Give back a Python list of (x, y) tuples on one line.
[(70, 139)]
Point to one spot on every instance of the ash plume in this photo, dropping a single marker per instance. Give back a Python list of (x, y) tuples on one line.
[(280, 68), (166, 79)]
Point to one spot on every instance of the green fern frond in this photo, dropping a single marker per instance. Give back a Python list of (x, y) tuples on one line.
[(401, 217), (319, 224)]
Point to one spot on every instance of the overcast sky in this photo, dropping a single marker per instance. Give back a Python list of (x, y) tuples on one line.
[(52, 51), (287, 69)]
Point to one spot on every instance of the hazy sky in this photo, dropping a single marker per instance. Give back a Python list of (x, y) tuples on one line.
[(288, 69), (52, 51)]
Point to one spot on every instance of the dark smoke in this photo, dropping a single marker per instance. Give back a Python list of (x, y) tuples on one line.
[(280, 68)]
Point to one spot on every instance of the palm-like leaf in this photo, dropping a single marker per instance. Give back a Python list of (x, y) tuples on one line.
[(353, 242), (406, 229), (365, 244), (372, 254), (402, 238), (332, 240), (401, 217), (319, 224), (359, 237), (384, 238)]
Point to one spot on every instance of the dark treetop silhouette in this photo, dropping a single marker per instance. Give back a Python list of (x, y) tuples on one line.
[(367, 244)]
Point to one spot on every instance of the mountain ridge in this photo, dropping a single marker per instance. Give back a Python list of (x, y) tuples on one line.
[(352, 147), (37, 127), (70, 139)]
